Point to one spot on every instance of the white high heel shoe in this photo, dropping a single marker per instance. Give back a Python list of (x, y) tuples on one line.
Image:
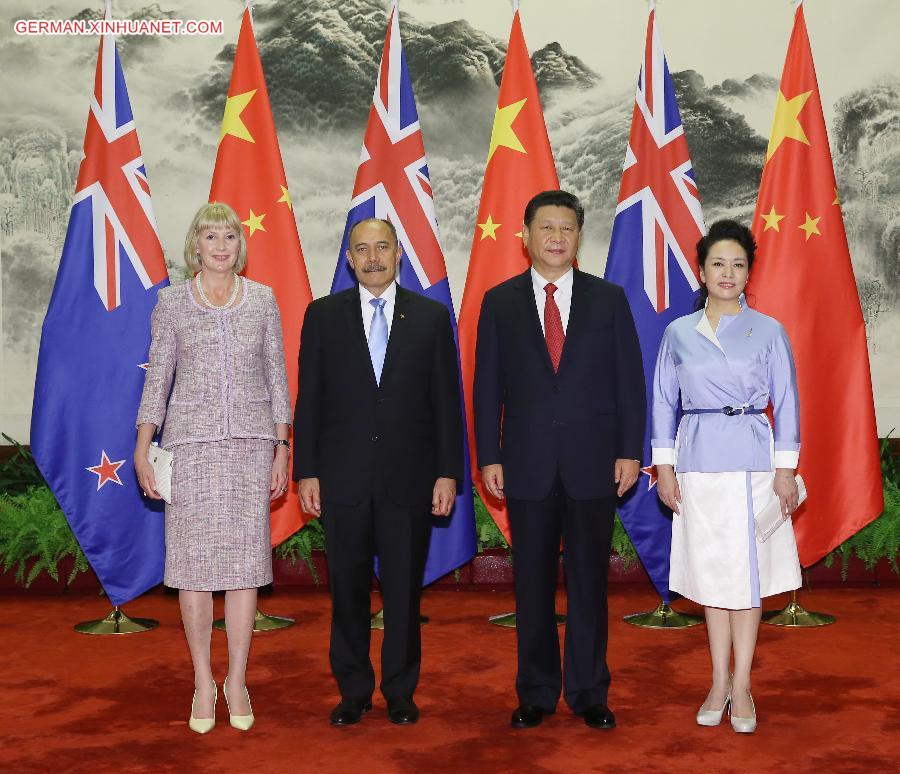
[(203, 725), (745, 725), (240, 722), (712, 717)]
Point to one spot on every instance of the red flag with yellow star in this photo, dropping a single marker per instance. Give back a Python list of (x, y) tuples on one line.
[(249, 176), (520, 165), (803, 277)]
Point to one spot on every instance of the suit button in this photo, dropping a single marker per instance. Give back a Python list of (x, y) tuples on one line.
[(555, 388), (379, 399), (374, 439)]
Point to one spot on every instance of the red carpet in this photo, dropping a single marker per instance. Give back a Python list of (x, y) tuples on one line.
[(828, 699)]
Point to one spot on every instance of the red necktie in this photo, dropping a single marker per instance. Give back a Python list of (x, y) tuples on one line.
[(553, 329)]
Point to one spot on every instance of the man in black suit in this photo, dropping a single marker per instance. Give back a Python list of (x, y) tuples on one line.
[(378, 436), (559, 424)]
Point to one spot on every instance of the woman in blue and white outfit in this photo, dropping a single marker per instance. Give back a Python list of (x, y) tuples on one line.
[(719, 368)]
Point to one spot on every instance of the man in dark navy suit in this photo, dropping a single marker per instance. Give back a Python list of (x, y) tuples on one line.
[(378, 432), (560, 406)]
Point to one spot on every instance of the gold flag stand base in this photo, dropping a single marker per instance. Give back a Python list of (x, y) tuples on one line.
[(261, 623), (116, 623), (508, 620), (663, 617), (377, 621), (796, 615)]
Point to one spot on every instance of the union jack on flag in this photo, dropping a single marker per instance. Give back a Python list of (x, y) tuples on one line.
[(112, 177), (393, 183), (652, 255), (94, 345)]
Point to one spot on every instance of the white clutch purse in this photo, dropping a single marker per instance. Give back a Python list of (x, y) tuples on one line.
[(770, 518), (161, 460)]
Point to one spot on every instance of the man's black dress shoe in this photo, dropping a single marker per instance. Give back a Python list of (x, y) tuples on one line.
[(599, 716), (402, 711), (528, 716), (349, 712)]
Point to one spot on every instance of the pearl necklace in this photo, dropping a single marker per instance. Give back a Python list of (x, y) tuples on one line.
[(229, 302)]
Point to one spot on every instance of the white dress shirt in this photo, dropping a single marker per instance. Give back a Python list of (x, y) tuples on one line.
[(562, 296), (368, 311)]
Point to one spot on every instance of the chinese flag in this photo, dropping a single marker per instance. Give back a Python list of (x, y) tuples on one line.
[(803, 277), (249, 176), (519, 165)]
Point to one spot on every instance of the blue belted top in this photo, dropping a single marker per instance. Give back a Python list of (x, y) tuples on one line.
[(741, 367)]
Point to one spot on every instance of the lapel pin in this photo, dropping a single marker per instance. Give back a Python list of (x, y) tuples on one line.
[(402, 316)]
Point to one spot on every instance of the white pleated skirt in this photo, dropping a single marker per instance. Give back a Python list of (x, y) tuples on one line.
[(716, 560)]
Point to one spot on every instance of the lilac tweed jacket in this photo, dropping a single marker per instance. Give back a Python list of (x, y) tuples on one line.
[(224, 368)]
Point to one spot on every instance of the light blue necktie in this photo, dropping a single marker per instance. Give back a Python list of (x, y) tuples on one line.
[(378, 337)]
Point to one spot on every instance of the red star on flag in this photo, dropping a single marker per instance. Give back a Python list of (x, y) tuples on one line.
[(650, 470), (106, 471)]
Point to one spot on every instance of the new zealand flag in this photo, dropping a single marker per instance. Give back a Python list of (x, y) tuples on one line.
[(392, 183), (94, 346), (652, 255)]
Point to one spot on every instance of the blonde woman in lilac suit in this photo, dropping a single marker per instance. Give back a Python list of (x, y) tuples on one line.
[(721, 462), (216, 347)]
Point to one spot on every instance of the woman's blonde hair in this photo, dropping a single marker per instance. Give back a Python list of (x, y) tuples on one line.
[(214, 215)]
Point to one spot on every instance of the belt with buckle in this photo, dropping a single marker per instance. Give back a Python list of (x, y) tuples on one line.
[(729, 411)]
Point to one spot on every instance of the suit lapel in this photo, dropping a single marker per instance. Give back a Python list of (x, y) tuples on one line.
[(399, 330), (529, 313), (578, 313), (358, 345)]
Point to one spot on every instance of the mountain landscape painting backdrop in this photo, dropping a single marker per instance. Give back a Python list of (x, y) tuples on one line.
[(321, 59)]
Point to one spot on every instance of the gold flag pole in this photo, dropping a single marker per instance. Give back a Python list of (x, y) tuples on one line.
[(508, 620), (663, 616), (116, 623), (377, 621), (261, 622), (794, 615)]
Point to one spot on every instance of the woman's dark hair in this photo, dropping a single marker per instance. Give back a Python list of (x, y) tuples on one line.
[(718, 231), (554, 199)]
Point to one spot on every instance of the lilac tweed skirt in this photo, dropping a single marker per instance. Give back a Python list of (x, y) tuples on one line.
[(217, 526)]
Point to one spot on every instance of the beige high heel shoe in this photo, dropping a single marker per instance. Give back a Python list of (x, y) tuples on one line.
[(745, 725), (712, 717), (203, 725), (240, 722)]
